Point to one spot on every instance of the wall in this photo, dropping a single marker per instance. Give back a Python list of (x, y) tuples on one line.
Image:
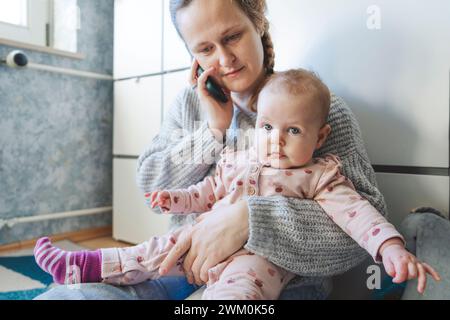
[(56, 134)]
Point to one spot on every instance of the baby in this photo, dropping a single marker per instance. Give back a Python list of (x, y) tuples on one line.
[(291, 124)]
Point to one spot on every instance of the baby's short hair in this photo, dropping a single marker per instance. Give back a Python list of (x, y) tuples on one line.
[(300, 82)]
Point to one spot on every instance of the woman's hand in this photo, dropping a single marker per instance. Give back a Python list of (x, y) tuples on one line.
[(219, 115), (402, 265), (216, 236)]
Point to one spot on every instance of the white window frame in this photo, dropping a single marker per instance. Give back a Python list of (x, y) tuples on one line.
[(35, 32)]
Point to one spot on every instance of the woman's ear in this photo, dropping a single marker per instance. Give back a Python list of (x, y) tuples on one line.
[(324, 132)]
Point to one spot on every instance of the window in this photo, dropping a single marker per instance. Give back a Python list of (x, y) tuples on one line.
[(48, 23), (24, 21), (14, 12)]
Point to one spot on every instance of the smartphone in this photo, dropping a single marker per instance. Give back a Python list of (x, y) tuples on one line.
[(213, 87)]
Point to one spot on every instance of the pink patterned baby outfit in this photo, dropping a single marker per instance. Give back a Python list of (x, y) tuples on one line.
[(245, 275)]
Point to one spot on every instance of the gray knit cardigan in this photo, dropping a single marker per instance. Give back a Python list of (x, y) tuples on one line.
[(293, 233)]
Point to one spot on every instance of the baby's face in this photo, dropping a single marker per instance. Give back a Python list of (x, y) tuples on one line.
[(288, 129)]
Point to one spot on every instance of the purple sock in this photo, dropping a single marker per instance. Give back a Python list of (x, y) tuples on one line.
[(68, 267)]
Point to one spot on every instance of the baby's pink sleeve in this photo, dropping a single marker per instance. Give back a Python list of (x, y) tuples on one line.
[(200, 197), (354, 214)]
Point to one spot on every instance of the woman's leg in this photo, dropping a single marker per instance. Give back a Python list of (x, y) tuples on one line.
[(427, 235), (319, 291), (166, 288), (423, 226)]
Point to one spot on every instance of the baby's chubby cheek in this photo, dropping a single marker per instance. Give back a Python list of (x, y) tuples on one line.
[(299, 159)]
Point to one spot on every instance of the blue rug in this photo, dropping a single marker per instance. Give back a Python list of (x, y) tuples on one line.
[(20, 276), (24, 270)]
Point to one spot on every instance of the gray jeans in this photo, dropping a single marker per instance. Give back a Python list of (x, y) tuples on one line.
[(166, 288), (427, 234)]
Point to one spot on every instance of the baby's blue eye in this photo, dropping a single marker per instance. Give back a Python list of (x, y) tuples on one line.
[(294, 130), (267, 127)]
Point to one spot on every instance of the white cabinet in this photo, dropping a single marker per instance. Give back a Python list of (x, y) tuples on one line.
[(173, 83), (133, 221), (137, 119), (137, 37), (137, 114), (404, 192), (176, 56), (396, 78), (139, 101)]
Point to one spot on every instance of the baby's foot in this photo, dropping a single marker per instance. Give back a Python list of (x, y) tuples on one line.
[(68, 267)]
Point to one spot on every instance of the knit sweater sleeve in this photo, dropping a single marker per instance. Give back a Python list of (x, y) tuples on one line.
[(183, 151), (297, 234)]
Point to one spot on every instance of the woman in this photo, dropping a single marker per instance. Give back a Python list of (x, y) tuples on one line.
[(230, 40)]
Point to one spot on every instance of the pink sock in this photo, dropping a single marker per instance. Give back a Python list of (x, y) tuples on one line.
[(68, 267)]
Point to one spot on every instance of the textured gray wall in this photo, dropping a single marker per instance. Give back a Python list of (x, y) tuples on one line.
[(56, 133)]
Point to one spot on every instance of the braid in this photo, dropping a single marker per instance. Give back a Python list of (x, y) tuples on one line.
[(269, 62), (269, 53)]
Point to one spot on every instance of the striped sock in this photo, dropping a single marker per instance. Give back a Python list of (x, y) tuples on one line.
[(68, 267)]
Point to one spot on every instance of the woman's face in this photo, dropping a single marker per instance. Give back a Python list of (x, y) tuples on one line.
[(220, 35)]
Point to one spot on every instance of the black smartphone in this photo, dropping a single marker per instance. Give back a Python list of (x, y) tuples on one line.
[(213, 87)]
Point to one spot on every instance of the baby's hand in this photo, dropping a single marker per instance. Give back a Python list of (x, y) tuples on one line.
[(161, 199), (402, 265)]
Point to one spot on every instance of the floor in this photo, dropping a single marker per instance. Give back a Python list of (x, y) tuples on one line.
[(97, 243), (104, 242)]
